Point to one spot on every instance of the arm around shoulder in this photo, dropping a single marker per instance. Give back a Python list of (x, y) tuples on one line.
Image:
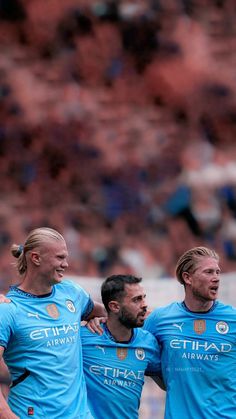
[(98, 311)]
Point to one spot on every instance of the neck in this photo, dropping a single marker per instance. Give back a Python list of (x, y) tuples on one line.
[(36, 288), (119, 332), (198, 305)]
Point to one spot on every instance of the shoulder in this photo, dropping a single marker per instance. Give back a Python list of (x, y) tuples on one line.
[(70, 286), (8, 310), (225, 309), (143, 334), (68, 283), (89, 338), (84, 331), (146, 336), (163, 310)]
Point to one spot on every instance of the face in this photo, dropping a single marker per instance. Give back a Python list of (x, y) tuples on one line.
[(133, 307), (52, 261), (204, 281)]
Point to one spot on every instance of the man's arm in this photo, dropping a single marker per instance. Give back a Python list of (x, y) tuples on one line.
[(5, 377), (4, 299), (158, 380), (5, 411), (98, 311), (97, 316)]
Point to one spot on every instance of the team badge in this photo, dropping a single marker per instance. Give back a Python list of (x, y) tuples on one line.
[(70, 306), (53, 311), (121, 353), (222, 327), (199, 326), (140, 354)]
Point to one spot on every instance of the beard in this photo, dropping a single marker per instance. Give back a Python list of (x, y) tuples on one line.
[(129, 321)]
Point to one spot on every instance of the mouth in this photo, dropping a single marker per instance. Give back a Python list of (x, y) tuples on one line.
[(214, 289), (143, 315)]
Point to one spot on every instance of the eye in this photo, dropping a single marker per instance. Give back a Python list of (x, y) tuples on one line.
[(137, 299)]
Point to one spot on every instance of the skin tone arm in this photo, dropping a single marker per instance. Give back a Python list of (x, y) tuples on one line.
[(5, 377), (159, 382), (5, 411), (4, 299), (98, 311)]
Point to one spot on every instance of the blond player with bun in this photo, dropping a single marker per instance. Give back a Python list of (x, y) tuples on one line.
[(40, 333)]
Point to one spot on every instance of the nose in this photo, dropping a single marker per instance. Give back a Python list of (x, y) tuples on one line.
[(65, 264), (216, 276), (144, 303)]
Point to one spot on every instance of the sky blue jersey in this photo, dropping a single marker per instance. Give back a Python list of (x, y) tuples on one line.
[(198, 353), (41, 337), (114, 372)]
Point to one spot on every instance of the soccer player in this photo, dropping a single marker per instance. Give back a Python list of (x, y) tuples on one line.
[(116, 361), (40, 333), (198, 343)]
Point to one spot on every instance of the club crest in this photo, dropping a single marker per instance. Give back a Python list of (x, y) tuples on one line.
[(70, 306), (222, 327), (140, 354)]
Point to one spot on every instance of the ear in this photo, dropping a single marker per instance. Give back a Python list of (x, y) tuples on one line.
[(35, 258), (187, 278), (114, 306)]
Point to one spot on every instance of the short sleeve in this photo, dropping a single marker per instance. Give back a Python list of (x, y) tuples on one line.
[(86, 301), (150, 323), (154, 364), (6, 323)]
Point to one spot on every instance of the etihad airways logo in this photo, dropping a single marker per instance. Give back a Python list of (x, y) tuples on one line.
[(123, 373), (51, 332), (204, 346)]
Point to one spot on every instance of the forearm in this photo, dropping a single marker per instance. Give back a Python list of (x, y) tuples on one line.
[(5, 377), (5, 411), (5, 390), (98, 311)]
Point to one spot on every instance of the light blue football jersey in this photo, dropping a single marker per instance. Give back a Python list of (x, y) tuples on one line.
[(198, 354), (41, 337), (114, 372)]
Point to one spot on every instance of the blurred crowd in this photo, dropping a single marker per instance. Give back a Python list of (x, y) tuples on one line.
[(117, 126)]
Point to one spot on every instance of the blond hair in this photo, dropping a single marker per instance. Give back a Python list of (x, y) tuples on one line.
[(36, 238), (188, 261)]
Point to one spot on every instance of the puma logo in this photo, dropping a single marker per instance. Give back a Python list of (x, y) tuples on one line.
[(179, 326), (102, 349), (34, 315)]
